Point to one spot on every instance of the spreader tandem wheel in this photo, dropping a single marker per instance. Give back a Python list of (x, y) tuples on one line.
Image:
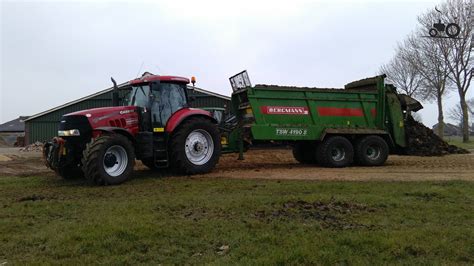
[(371, 151), (335, 151), (305, 152)]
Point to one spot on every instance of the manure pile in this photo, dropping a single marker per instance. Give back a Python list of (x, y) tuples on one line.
[(422, 141)]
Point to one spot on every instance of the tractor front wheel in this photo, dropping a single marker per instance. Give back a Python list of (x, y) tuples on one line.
[(433, 32), (195, 146), (108, 160)]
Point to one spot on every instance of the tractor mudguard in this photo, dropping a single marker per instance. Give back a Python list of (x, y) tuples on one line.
[(184, 113), (118, 130)]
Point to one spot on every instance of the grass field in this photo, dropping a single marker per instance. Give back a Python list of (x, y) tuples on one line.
[(230, 221), (456, 140)]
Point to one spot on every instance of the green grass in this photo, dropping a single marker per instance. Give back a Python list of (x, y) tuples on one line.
[(456, 140), (187, 220)]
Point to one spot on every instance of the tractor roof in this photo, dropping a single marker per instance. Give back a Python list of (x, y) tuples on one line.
[(148, 78)]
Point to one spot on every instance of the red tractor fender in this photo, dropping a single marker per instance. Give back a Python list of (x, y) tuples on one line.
[(114, 130), (184, 113)]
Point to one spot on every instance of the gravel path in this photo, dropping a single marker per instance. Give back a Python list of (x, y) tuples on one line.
[(279, 164)]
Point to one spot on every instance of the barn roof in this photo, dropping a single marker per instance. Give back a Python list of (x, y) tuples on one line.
[(72, 102), (109, 90), (15, 125)]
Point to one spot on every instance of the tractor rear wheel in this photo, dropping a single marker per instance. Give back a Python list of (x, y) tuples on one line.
[(371, 151), (304, 152), (195, 146), (336, 151), (108, 160)]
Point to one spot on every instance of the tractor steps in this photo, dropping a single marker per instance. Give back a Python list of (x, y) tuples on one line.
[(160, 152)]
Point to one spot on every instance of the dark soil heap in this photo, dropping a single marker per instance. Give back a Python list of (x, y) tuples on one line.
[(422, 141)]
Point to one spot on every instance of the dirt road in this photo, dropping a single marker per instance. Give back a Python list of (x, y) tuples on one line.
[(279, 164), (13, 162)]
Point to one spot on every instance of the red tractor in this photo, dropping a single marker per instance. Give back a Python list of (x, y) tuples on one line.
[(156, 126)]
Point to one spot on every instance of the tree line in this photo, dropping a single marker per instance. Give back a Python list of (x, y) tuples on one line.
[(428, 68)]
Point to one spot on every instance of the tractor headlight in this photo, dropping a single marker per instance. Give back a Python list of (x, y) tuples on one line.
[(68, 133)]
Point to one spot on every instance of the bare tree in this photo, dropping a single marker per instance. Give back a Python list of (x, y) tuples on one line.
[(403, 75), (455, 113), (426, 57), (427, 68), (418, 68), (457, 54)]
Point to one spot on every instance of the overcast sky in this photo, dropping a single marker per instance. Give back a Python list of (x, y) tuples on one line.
[(53, 52)]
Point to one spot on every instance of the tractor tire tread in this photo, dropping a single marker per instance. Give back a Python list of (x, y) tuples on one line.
[(178, 161), (91, 163)]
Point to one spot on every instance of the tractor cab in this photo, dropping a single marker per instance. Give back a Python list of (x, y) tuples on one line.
[(157, 98), (162, 105)]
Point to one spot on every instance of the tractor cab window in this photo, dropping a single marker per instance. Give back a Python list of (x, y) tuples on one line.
[(139, 96), (169, 98)]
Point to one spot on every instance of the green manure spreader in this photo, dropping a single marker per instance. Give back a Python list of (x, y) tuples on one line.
[(362, 123)]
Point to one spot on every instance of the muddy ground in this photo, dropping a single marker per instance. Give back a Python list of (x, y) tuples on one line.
[(279, 164)]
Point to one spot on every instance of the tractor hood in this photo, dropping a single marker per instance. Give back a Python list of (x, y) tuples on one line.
[(118, 116), (98, 112)]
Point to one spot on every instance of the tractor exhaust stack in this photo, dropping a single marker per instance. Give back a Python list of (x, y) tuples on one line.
[(115, 93)]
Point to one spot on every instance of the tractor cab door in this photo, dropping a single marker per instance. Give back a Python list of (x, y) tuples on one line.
[(167, 99)]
